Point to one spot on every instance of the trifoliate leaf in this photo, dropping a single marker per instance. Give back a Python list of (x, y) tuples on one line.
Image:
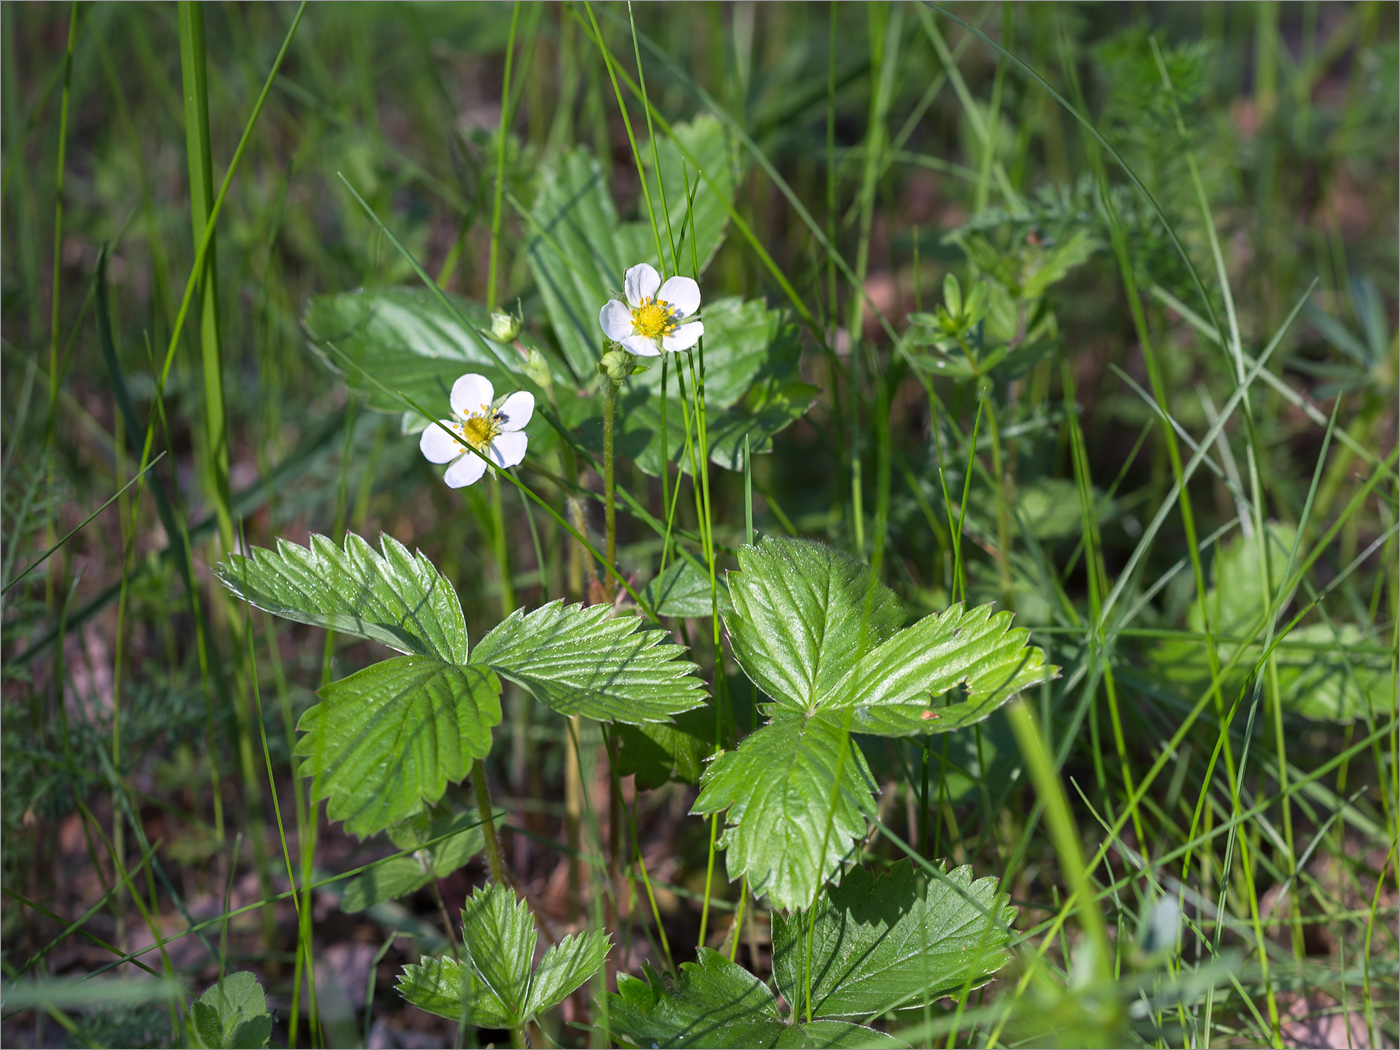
[(403, 875), (893, 688), (232, 1013), (717, 1003), (384, 742), (803, 615), (657, 752), (894, 941), (397, 598), (583, 660), (407, 340), (498, 935), (566, 966), (443, 986), (1329, 682), (789, 824)]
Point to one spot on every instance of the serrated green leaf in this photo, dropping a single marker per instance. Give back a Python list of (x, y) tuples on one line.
[(717, 1003), (789, 826), (404, 875), (441, 985), (232, 1013), (409, 341), (657, 752), (803, 615), (397, 598), (566, 966), (384, 742), (583, 660), (893, 941), (895, 689), (499, 938), (684, 590)]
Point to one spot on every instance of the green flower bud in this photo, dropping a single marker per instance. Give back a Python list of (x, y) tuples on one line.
[(504, 327), (616, 365)]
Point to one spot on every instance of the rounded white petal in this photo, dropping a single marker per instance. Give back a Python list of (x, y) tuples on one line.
[(465, 471), (681, 294), (516, 410), (616, 320), (642, 346), (641, 282), (508, 448), (684, 337), (470, 392), (438, 445)]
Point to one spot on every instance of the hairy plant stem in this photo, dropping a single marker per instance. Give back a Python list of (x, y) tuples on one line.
[(609, 481), (488, 824)]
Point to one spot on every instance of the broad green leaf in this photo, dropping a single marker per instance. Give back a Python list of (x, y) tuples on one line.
[(893, 941), (717, 1003), (803, 615), (408, 340), (895, 689), (384, 742), (572, 251), (498, 937), (404, 875), (789, 825), (1238, 596), (566, 966), (443, 986), (657, 752), (706, 141), (583, 660), (684, 590), (397, 598), (232, 1013)]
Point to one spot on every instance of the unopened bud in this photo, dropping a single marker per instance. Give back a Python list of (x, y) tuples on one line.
[(504, 327), (616, 365)]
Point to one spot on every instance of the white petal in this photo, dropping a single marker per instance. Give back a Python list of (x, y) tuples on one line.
[(471, 392), (642, 346), (508, 449), (641, 282), (681, 294), (465, 471), (684, 337), (438, 445), (516, 410), (616, 320)]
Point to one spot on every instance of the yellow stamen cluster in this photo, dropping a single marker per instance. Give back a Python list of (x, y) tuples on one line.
[(653, 318), (479, 429)]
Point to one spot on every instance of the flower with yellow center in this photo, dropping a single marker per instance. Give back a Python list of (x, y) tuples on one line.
[(654, 318), (478, 427)]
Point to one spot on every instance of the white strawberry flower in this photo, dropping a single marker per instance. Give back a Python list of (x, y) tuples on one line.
[(494, 431), (654, 317)]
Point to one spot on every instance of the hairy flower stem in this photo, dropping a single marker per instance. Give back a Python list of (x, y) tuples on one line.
[(488, 824), (609, 479)]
